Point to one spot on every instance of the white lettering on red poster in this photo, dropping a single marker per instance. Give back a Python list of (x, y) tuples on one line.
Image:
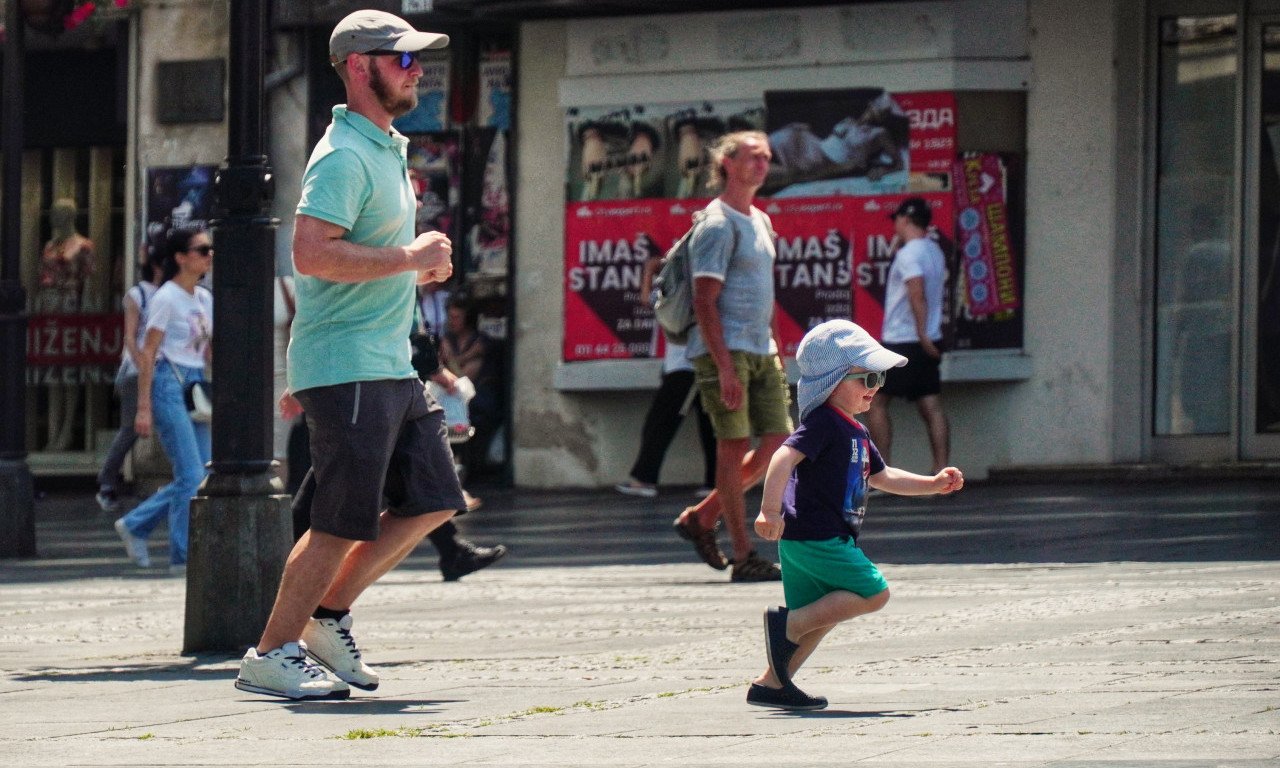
[(606, 247), (932, 115), (813, 272), (74, 340)]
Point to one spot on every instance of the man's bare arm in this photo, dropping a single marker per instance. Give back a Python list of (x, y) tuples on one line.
[(320, 251)]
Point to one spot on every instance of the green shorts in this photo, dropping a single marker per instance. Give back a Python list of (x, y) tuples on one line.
[(811, 569), (766, 407)]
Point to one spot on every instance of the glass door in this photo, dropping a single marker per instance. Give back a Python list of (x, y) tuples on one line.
[(1260, 347), (1196, 241), (1215, 324)]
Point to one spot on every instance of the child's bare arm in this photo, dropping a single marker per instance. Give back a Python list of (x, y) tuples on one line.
[(904, 483), (769, 521)]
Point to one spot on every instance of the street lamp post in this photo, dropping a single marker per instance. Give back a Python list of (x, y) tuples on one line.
[(241, 529), (17, 493)]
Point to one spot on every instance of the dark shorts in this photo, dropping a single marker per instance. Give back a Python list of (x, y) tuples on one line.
[(370, 441), (920, 377)]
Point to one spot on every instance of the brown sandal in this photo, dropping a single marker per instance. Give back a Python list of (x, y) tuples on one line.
[(704, 541)]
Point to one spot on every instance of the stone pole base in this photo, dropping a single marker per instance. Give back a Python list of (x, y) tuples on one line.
[(17, 510), (235, 557)]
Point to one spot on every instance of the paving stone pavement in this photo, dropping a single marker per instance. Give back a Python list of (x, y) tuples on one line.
[(1016, 650)]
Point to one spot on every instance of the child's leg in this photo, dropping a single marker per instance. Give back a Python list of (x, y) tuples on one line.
[(808, 625)]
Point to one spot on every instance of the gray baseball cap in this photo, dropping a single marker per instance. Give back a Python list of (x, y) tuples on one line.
[(368, 30)]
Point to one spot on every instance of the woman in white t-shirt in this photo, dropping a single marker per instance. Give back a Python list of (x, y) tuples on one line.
[(175, 352)]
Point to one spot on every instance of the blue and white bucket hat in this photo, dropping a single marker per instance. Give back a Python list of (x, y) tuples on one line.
[(826, 354)]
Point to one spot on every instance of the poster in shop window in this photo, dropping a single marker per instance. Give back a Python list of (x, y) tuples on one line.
[(833, 257), (646, 151), (986, 263), (836, 241), (853, 141), (432, 112), (435, 172), (606, 247), (494, 104), (178, 197)]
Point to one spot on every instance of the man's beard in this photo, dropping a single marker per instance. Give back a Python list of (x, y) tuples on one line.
[(394, 104)]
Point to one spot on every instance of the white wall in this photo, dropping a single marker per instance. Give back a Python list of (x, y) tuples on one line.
[(166, 33), (1071, 236)]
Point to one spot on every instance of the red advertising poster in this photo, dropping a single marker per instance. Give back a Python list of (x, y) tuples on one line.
[(75, 340), (813, 273), (932, 115), (986, 257), (606, 246), (873, 249)]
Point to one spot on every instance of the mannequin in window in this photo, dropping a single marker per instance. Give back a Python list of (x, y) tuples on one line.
[(66, 262)]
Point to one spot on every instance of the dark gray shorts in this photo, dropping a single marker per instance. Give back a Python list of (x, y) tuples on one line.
[(370, 441)]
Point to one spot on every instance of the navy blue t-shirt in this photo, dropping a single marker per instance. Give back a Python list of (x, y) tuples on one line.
[(826, 496)]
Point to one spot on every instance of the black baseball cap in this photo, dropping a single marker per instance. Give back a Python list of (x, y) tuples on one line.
[(917, 208)]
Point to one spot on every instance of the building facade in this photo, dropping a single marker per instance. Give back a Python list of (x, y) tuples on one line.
[(1133, 310)]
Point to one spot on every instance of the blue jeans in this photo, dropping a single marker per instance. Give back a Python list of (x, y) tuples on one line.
[(186, 443)]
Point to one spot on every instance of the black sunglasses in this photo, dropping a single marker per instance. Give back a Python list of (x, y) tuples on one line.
[(870, 379), (406, 57), (203, 250)]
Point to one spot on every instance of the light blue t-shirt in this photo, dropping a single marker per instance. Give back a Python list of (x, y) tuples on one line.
[(746, 298), (357, 178)]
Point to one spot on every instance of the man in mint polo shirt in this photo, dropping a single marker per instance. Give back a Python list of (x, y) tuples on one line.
[(374, 429)]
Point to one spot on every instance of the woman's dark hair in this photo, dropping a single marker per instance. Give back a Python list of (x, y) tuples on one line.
[(177, 241)]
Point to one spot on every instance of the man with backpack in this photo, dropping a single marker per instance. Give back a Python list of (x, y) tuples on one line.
[(734, 351)]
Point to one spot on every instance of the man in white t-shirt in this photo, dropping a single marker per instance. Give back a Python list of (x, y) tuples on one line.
[(913, 328)]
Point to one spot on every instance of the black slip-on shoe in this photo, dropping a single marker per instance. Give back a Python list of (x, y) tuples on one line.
[(778, 648), (786, 697)]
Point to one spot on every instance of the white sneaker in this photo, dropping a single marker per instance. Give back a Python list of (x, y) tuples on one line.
[(637, 488), (286, 672), (107, 501), (329, 642), (134, 546)]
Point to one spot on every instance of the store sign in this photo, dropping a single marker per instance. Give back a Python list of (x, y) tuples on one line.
[(75, 340)]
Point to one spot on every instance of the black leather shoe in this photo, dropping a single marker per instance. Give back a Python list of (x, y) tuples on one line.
[(469, 558)]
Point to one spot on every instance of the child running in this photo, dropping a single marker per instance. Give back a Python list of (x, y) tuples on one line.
[(815, 493)]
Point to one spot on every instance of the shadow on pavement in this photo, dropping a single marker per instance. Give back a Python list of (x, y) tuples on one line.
[(984, 523)]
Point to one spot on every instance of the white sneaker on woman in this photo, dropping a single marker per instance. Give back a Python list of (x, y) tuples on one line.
[(134, 546)]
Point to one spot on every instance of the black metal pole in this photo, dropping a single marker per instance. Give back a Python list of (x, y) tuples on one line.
[(17, 496), (244, 268), (241, 530)]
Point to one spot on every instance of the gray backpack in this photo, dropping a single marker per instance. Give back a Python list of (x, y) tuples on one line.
[(672, 296)]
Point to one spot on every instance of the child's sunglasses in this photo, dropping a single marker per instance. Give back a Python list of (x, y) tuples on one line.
[(406, 57), (870, 379)]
